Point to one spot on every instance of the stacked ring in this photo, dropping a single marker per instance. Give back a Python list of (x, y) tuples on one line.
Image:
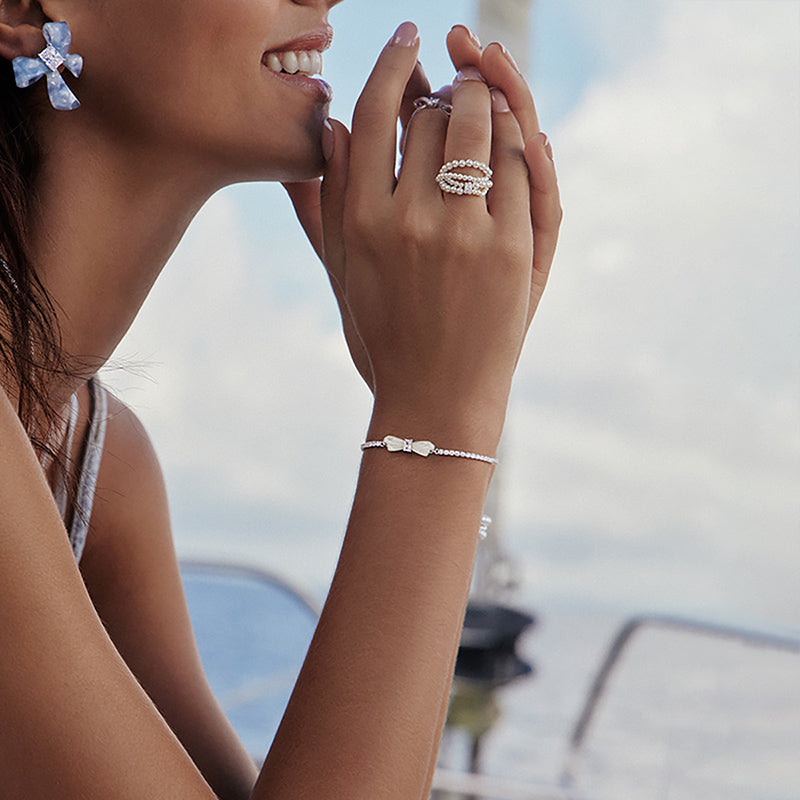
[(453, 182)]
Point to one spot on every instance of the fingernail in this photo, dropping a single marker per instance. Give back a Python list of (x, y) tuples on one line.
[(545, 143), (499, 102), (475, 40), (328, 140), (468, 74), (407, 35), (508, 56)]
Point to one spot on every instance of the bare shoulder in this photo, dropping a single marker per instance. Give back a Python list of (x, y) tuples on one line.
[(129, 564), (130, 466), (130, 517)]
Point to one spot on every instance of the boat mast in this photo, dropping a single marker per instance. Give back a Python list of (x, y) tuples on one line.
[(509, 22)]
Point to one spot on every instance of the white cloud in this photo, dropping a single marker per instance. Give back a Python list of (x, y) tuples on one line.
[(660, 400)]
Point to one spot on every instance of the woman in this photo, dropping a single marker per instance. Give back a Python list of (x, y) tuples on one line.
[(101, 691)]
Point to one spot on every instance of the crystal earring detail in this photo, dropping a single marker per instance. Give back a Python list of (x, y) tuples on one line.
[(29, 70)]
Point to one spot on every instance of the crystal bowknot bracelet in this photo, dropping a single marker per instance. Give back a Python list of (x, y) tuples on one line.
[(394, 444)]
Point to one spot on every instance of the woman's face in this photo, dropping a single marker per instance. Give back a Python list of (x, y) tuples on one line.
[(197, 79)]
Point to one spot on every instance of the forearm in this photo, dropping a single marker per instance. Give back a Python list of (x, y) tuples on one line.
[(364, 720)]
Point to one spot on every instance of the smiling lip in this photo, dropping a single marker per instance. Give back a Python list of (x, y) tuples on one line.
[(320, 39), (316, 86)]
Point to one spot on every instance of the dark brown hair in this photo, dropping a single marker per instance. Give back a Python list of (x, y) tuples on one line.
[(30, 343)]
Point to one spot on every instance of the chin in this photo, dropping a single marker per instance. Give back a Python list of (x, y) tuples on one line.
[(306, 173), (302, 170), (310, 166), (300, 160), (307, 161)]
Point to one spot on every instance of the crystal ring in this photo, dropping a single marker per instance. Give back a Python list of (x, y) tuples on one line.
[(452, 182), (433, 102)]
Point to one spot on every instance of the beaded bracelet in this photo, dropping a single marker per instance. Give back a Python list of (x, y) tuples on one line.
[(394, 444)]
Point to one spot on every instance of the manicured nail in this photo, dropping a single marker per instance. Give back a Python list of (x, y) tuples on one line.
[(507, 55), (499, 102), (407, 35), (545, 143), (468, 74), (475, 40), (328, 140)]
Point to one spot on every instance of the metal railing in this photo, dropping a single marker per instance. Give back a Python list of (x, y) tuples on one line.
[(620, 644), (465, 784)]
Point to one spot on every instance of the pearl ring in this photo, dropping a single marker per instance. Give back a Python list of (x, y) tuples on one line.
[(453, 182)]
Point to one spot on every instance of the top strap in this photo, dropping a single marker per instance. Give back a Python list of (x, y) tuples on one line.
[(90, 467), (60, 491)]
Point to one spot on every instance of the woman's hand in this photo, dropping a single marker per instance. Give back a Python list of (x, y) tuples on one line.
[(499, 70), (438, 285)]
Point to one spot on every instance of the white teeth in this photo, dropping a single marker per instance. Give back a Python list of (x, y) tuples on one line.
[(290, 63), (306, 62)]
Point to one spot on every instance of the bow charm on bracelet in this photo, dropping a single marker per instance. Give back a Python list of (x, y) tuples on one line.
[(394, 444)]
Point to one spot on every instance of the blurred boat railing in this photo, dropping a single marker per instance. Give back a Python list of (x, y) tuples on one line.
[(466, 784), (198, 566), (620, 643)]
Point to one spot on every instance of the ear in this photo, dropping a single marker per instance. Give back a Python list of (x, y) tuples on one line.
[(20, 40), (21, 28)]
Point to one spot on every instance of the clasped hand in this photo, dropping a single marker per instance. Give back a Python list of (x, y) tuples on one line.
[(437, 291)]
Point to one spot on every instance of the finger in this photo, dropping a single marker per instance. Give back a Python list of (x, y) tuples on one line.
[(423, 155), (464, 47), (354, 343), (500, 70), (546, 212), (469, 135), (417, 86), (374, 137), (510, 197), (305, 197), (334, 188), (445, 94)]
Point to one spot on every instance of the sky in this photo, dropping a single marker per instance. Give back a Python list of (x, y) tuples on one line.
[(651, 459)]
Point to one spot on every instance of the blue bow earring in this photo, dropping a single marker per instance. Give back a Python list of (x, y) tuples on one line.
[(29, 70)]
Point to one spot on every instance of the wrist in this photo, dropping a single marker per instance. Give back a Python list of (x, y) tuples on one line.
[(472, 429)]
